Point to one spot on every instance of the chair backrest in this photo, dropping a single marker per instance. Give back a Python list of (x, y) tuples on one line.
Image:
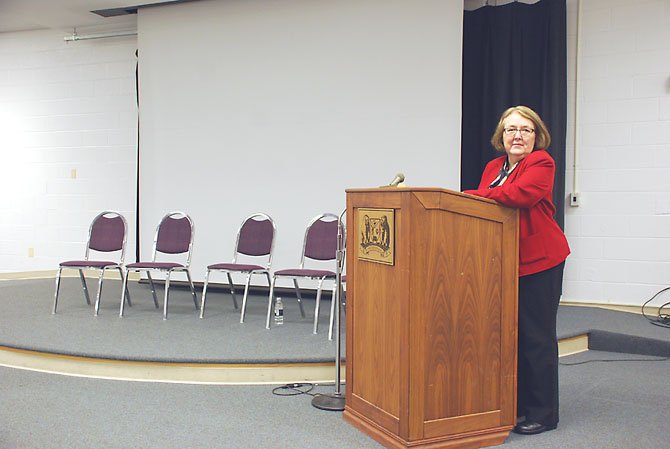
[(174, 235), (343, 242), (321, 239), (107, 234), (256, 237)]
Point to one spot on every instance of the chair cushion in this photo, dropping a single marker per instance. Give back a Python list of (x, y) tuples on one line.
[(256, 237), (107, 233), (234, 267), (305, 273), (321, 240), (154, 265), (88, 263), (174, 235)]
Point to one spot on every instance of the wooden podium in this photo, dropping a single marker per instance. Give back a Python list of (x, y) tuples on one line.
[(431, 317)]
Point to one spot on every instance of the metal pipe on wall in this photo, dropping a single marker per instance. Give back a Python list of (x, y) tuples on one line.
[(574, 194), (81, 37)]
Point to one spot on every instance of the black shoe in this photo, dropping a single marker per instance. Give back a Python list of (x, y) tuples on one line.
[(531, 428)]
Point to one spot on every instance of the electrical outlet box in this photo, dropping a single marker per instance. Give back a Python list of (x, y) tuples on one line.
[(574, 199)]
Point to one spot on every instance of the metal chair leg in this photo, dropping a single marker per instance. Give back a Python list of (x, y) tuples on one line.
[(153, 289), (204, 295), (270, 302), (232, 289), (244, 298), (85, 287), (124, 290), (60, 269), (299, 296), (318, 305), (97, 297), (167, 293), (190, 283), (333, 300), (246, 294)]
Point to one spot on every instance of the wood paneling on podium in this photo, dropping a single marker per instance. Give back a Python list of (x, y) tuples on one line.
[(431, 339)]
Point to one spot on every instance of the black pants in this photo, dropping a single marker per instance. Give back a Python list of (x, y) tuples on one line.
[(537, 391)]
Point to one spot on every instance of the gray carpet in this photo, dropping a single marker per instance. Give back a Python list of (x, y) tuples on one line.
[(617, 405), (614, 331), (26, 322), (620, 405)]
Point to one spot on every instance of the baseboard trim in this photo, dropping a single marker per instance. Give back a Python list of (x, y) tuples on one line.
[(68, 273), (24, 275), (608, 306)]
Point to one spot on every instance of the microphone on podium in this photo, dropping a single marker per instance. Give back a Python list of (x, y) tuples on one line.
[(397, 180)]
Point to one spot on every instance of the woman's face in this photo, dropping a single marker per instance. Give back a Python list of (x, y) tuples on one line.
[(518, 137)]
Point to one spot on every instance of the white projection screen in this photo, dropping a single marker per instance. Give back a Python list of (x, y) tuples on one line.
[(280, 105)]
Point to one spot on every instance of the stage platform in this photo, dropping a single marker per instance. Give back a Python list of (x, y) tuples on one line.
[(219, 349)]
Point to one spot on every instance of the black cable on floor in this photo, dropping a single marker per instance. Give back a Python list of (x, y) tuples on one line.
[(294, 389), (661, 320)]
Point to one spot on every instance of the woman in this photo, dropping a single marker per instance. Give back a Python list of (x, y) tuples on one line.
[(523, 178)]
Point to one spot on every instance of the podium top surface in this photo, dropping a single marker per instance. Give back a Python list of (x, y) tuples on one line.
[(388, 189)]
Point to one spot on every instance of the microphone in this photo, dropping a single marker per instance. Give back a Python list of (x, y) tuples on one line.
[(397, 180)]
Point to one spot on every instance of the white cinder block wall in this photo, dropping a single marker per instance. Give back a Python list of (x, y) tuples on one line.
[(66, 107), (68, 143), (620, 234)]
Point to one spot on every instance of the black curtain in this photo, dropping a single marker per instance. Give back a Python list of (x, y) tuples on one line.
[(513, 54)]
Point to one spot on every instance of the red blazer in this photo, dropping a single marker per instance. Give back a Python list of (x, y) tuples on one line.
[(542, 244)]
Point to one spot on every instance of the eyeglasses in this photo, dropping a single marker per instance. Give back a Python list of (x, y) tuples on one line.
[(525, 132)]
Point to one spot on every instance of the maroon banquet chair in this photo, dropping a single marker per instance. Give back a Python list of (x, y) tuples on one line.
[(319, 246), (106, 235), (173, 240), (255, 243)]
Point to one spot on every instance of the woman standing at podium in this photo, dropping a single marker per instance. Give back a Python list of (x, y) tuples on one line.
[(523, 178)]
